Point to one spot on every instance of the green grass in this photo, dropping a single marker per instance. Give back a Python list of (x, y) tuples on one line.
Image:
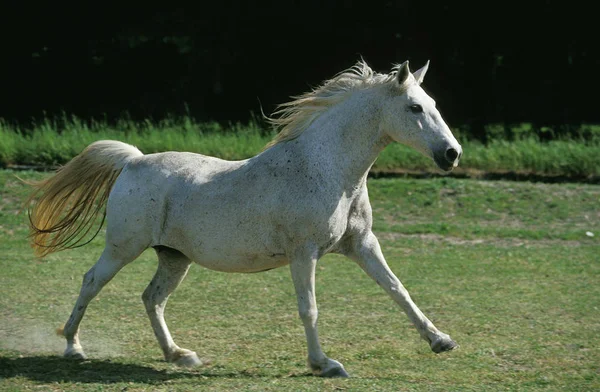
[(54, 142), (505, 268)]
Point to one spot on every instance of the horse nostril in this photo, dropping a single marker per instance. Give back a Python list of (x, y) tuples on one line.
[(451, 155)]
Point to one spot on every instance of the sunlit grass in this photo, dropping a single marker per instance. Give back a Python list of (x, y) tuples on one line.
[(507, 269)]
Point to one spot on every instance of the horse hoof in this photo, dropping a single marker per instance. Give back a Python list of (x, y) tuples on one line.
[(75, 354), (332, 369), (186, 358), (336, 372), (444, 343)]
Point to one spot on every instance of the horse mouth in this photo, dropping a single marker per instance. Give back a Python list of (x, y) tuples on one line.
[(443, 164)]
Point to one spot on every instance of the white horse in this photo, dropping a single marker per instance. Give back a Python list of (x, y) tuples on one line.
[(305, 195)]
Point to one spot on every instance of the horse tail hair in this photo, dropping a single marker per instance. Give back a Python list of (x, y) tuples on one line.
[(66, 205)]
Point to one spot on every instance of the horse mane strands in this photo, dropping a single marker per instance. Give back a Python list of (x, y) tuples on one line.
[(290, 119)]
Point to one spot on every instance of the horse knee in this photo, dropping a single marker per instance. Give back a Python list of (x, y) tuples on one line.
[(308, 314)]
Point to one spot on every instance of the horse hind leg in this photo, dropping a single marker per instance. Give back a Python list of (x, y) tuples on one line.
[(94, 280), (172, 268)]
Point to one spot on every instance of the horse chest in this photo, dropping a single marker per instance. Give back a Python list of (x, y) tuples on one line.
[(328, 224)]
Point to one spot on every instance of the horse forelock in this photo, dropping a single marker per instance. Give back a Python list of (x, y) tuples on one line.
[(292, 118)]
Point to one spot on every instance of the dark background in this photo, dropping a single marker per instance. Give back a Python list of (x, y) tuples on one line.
[(496, 62)]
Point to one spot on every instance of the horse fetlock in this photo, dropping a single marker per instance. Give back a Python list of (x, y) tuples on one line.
[(184, 358), (442, 343), (328, 368)]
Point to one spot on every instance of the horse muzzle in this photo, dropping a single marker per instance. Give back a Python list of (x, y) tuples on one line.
[(448, 159)]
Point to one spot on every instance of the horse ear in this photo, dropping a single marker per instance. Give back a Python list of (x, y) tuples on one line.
[(420, 73), (403, 73)]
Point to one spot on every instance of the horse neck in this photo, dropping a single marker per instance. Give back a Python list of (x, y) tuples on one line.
[(345, 140)]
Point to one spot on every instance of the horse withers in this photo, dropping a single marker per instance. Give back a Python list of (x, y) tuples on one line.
[(303, 196)]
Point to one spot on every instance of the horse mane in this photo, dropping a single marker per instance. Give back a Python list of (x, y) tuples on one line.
[(292, 118)]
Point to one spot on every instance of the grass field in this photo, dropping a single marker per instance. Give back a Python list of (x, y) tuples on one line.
[(505, 268), (55, 142)]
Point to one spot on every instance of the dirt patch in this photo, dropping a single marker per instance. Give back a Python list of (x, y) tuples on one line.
[(488, 175), (500, 242)]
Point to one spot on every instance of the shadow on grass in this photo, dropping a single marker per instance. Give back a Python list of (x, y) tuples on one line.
[(49, 369)]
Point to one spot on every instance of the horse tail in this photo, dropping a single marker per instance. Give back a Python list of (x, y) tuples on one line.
[(69, 202)]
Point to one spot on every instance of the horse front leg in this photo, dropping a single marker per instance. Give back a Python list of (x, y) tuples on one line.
[(367, 253), (303, 275)]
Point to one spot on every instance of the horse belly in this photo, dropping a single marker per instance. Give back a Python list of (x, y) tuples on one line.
[(241, 262), (225, 247)]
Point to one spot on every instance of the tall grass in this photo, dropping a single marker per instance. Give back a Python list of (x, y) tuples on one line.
[(527, 156), (54, 142)]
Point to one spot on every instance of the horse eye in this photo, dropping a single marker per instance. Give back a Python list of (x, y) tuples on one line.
[(416, 108)]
